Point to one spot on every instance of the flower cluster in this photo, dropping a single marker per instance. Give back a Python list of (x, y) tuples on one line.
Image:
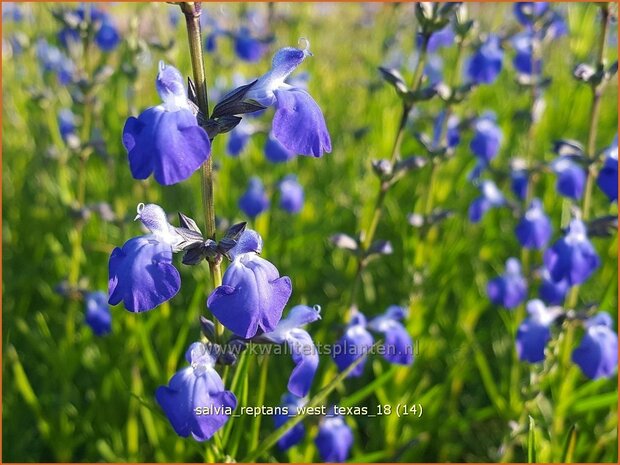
[(255, 200)]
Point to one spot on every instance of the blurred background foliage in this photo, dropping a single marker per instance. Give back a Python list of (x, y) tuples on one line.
[(71, 396)]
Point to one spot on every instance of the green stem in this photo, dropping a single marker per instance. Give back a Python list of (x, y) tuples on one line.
[(369, 234), (192, 11)]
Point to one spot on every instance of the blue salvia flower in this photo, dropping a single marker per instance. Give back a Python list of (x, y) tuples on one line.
[(97, 314), (510, 289), (195, 400), (534, 230), (534, 332), (298, 122), (53, 60), (254, 200), (166, 140), (275, 151), (249, 48), (438, 39), (354, 343), (305, 354), (296, 434), (141, 273), (106, 37), (597, 354), (334, 439), (252, 295), (398, 344), (239, 137), (572, 257), (571, 178), (528, 12), (433, 70), (66, 124), (487, 138), (486, 64), (491, 197), (607, 179), (453, 135), (291, 194), (523, 60), (550, 291), (519, 181)]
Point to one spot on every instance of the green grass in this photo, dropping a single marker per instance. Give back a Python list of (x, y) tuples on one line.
[(70, 396)]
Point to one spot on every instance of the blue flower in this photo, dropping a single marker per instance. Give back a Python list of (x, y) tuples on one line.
[(491, 197), (334, 439), (510, 289), (98, 315), (486, 64), (247, 47), (291, 194), (106, 37), (298, 122), (254, 200), (252, 295), (53, 60), (355, 343), (195, 400), (166, 140), (597, 354), (534, 332), (66, 124), (534, 229), (12, 11), (141, 273), (438, 39), (571, 177), (552, 292), (607, 178), (296, 434), (398, 344), (519, 182), (528, 12), (305, 355), (433, 70), (275, 151), (524, 61), (487, 138), (572, 257), (452, 134), (239, 137)]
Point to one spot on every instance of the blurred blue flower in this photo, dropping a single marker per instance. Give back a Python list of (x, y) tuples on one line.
[(453, 135), (249, 48), (195, 400), (597, 354), (433, 69), (398, 344), (166, 140), (141, 273), (571, 177), (305, 354), (572, 257), (254, 200), (239, 137), (275, 151), (518, 183), (355, 343), (528, 12), (607, 178), (534, 230), (334, 439), (491, 197), (486, 64), (54, 61), (97, 314), (106, 37), (438, 39), (252, 295), (295, 434), (291, 194), (524, 61), (552, 292), (510, 289), (487, 138), (66, 124), (12, 11), (298, 123), (534, 332)]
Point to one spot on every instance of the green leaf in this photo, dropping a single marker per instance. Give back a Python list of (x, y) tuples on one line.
[(531, 442)]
